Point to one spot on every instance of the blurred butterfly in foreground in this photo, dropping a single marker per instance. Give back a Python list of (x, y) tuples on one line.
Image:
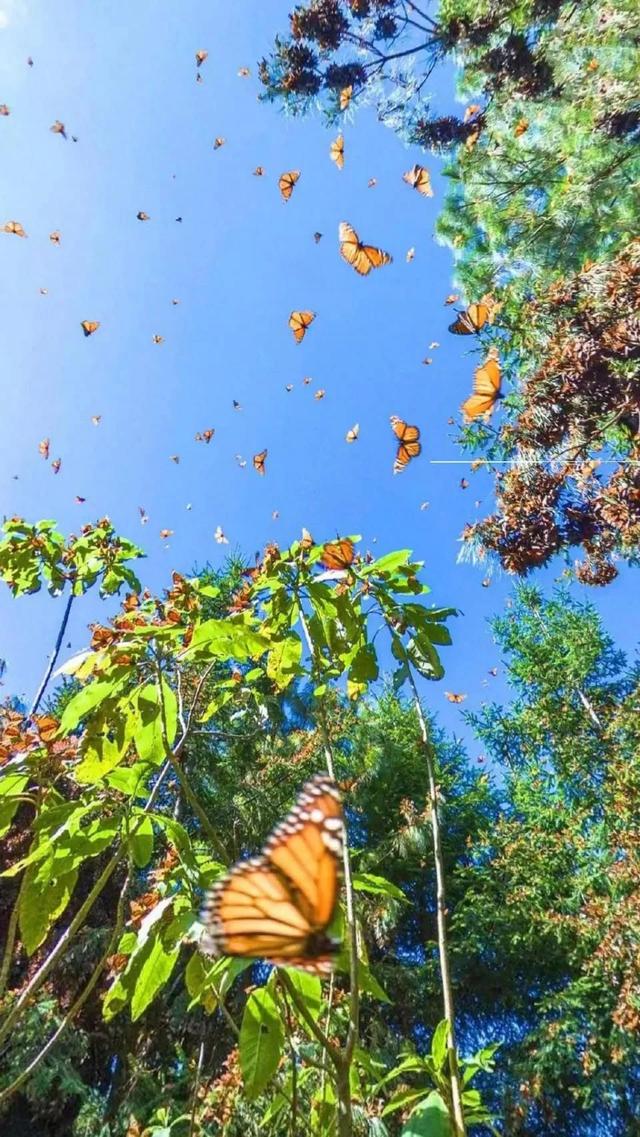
[(361, 257), (286, 182), (470, 322), (299, 322), (419, 179), (338, 554), (278, 906), (408, 443), (486, 391)]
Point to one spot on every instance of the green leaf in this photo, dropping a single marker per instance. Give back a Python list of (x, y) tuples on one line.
[(226, 639), (431, 1119), (377, 885), (402, 1099), (439, 1044), (195, 974), (141, 842), (308, 987), (41, 902), (283, 661), (261, 1042), (11, 786), (154, 973), (369, 984), (87, 700)]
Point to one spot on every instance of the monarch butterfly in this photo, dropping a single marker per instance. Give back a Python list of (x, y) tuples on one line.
[(345, 97), (338, 554), (96, 419), (286, 182), (320, 394), (205, 436), (166, 533), (470, 321), (336, 151), (58, 128), (451, 298), (218, 142), (317, 237), (521, 127), (220, 537), (408, 443), (361, 257), (258, 172), (144, 516), (243, 72), (259, 462), (90, 326), (486, 391), (43, 448), (419, 179), (410, 254), (54, 237), (56, 464), (372, 183), (175, 458), (353, 434), (299, 322), (14, 227), (454, 698), (200, 57), (158, 339), (4, 110), (79, 500), (142, 216), (279, 905)]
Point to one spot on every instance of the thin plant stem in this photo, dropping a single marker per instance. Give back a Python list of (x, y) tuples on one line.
[(196, 1084), (36, 981), (441, 898), (54, 655), (12, 928), (76, 1007)]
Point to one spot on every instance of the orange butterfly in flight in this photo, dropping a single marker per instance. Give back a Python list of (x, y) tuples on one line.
[(58, 128), (471, 321), (14, 227), (90, 326), (336, 152), (4, 110), (43, 448), (299, 322), (353, 433), (279, 906), (454, 698), (259, 462), (361, 257), (55, 237), (345, 97), (408, 443), (218, 142), (419, 179), (486, 391), (200, 57), (205, 436), (286, 182), (142, 216), (338, 554)]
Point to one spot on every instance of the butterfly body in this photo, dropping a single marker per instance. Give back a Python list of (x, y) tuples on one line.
[(279, 905)]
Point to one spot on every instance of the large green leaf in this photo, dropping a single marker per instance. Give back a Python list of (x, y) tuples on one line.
[(309, 989), (283, 661), (87, 699), (261, 1042), (11, 786), (377, 885), (430, 1119), (141, 842), (154, 972), (42, 901), (439, 1044), (226, 639)]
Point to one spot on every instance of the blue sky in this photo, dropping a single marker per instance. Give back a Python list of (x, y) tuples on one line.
[(239, 262)]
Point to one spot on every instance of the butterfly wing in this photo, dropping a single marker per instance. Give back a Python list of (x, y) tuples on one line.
[(419, 178), (361, 257), (337, 152), (338, 554), (259, 461), (286, 182), (299, 322), (278, 906), (486, 391)]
